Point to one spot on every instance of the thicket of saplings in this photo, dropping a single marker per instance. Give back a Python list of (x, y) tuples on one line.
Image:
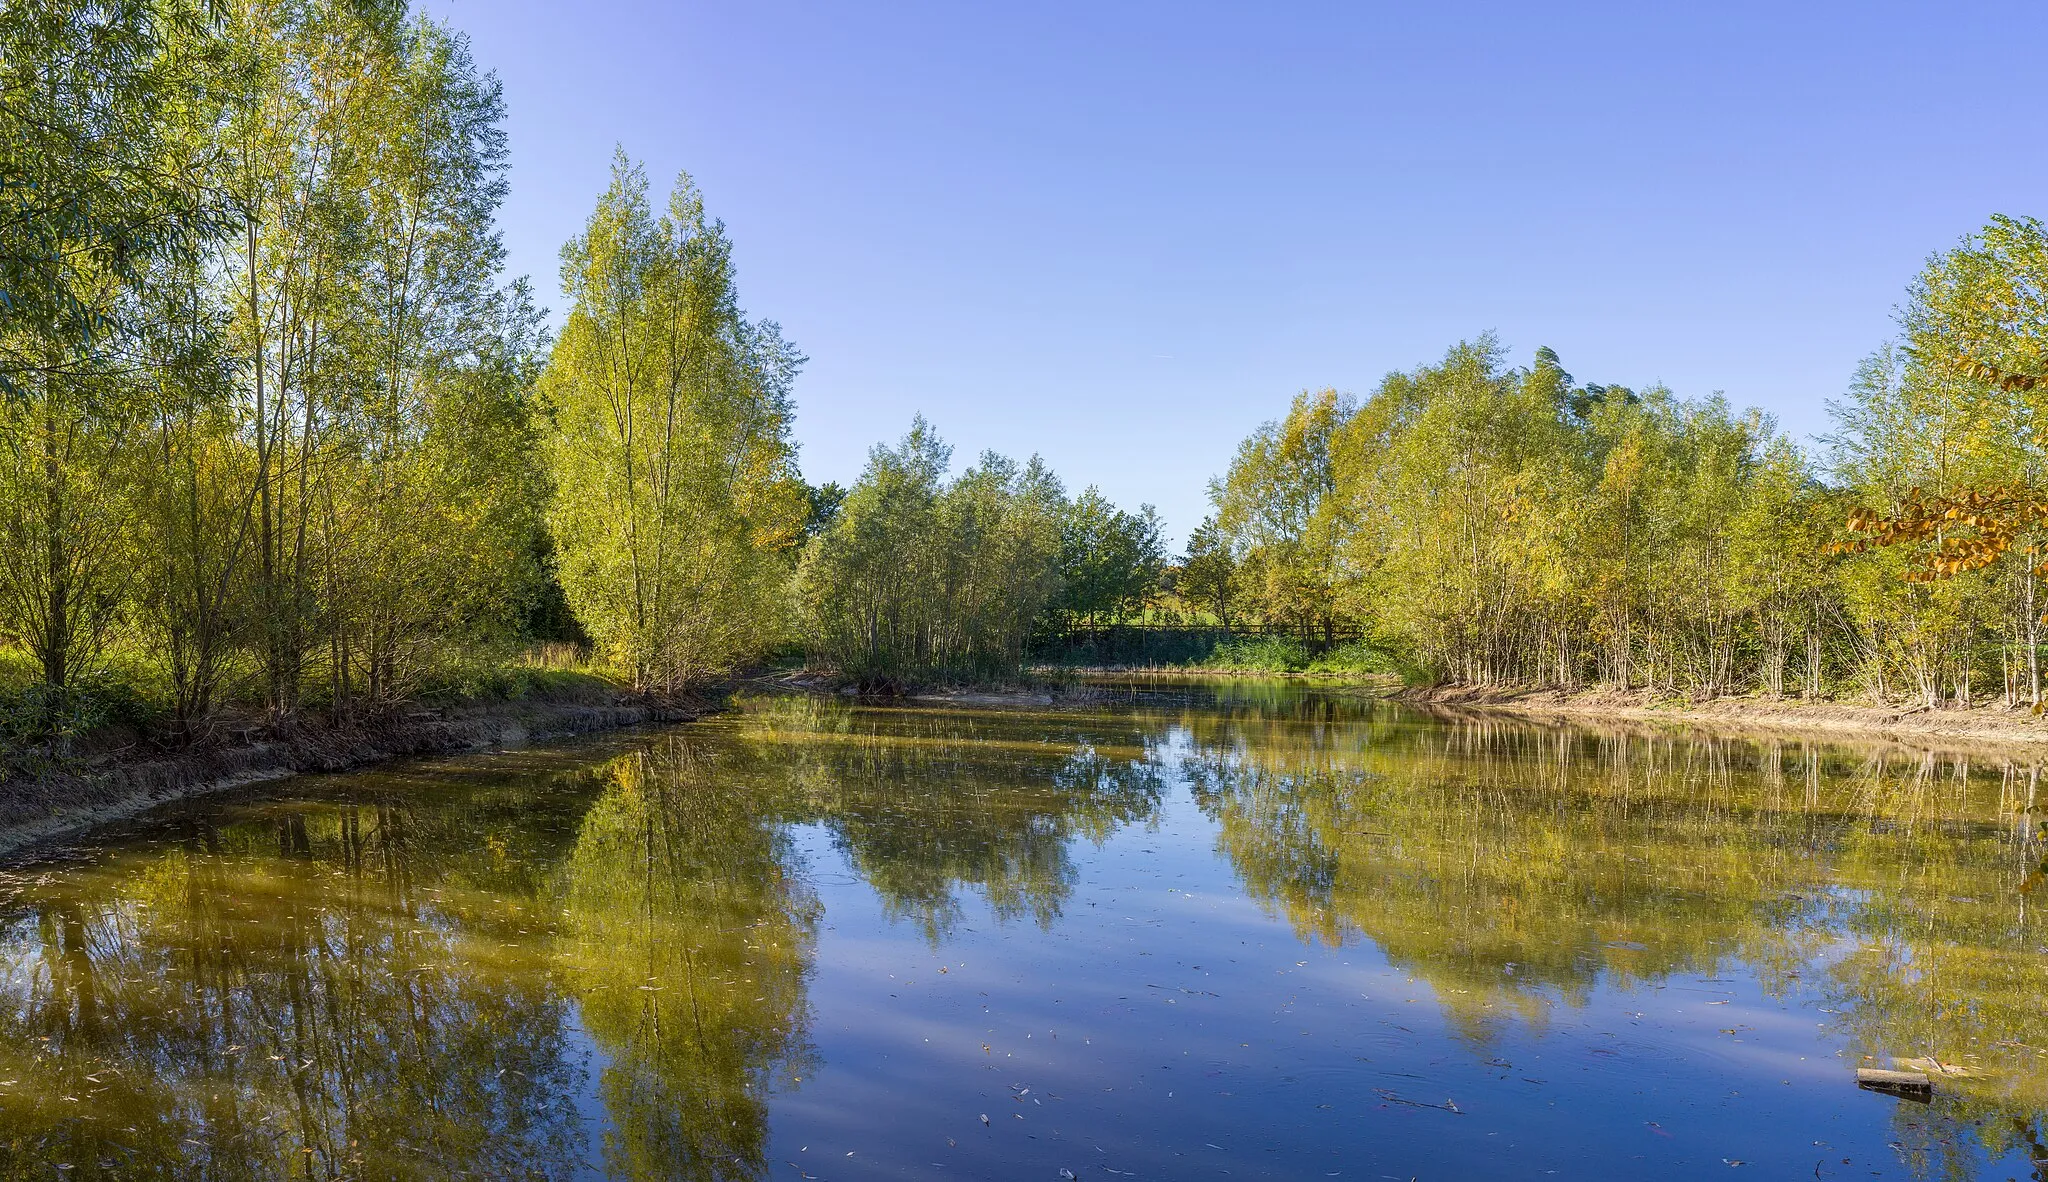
[(279, 437), (1511, 526)]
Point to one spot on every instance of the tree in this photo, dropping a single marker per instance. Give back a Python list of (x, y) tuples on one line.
[(1277, 505), (97, 187), (1208, 571), (1978, 318), (919, 579), (1511, 526), (674, 476), (95, 184), (1110, 560)]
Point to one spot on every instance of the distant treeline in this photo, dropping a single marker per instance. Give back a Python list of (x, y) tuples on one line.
[(1511, 525), (918, 578)]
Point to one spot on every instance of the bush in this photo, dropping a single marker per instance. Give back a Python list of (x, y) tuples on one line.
[(38, 716), (1285, 654), (1362, 656)]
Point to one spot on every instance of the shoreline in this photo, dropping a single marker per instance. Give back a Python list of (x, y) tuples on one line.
[(1977, 726), (1347, 677), (36, 811), (1992, 728), (33, 812)]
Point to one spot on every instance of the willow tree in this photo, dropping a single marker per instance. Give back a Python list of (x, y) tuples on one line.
[(919, 579), (95, 189), (432, 492), (1278, 504), (1977, 320), (676, 495)]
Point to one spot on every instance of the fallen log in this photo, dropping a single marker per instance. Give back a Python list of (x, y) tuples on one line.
[(1906, 1085)]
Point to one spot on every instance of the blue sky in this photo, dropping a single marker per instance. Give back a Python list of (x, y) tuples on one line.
[(1121, 235)]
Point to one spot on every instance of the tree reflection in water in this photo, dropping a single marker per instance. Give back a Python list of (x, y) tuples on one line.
[(297, 994), (389, 975), (539, 965), (1515, 868), (686, 941)]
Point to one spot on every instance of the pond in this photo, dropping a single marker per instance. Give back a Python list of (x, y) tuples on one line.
[(1190, 930)]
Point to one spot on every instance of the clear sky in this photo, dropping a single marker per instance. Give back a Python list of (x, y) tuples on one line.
[(1121, 235)]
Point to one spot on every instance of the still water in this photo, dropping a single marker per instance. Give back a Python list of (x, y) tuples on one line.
[(1235, 930)]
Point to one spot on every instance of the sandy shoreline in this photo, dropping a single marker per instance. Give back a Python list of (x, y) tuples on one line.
[(1979, 726)]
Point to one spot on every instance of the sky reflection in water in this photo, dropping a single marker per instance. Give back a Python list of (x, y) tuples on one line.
[(1242, 930)]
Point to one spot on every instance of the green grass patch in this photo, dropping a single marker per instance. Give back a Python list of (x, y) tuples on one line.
[(1285, 654), (497, 677)]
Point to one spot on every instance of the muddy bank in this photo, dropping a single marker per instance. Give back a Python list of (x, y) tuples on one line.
[(123, 784), (1977, 726), (1343, 677), (1000, 696)]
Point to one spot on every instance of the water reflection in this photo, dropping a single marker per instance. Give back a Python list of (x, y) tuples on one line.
[(605, 961), (1517, 868), (685, 941), (396, 976), (311, 990), (925, 802)]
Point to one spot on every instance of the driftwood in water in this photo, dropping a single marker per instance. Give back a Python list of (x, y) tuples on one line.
[(1907, 1085)]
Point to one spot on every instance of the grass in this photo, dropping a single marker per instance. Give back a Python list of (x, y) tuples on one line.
[(126, 691), (543, 673)]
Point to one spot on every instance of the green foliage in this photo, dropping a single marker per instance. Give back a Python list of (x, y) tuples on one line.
[(496, 676), (1362, 657), (1258, 654), (1499, 525), (1207, 577), (825, 501), (1278, 507), (268, 421), (1286, 654), (97, 182), (43, 721), (1111, 561), (676, 490), (919, 579)]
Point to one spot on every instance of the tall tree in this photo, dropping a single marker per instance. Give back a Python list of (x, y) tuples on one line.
[(676, 485)]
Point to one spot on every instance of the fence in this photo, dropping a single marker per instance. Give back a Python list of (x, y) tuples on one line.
[(1166, 643)]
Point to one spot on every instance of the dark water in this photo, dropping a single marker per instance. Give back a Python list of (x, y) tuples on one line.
[(1244, 931)]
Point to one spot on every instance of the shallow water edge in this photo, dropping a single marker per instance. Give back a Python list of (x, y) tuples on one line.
[(64, 804)]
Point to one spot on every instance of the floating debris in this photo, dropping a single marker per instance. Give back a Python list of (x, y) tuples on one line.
[(1906, 1085)]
